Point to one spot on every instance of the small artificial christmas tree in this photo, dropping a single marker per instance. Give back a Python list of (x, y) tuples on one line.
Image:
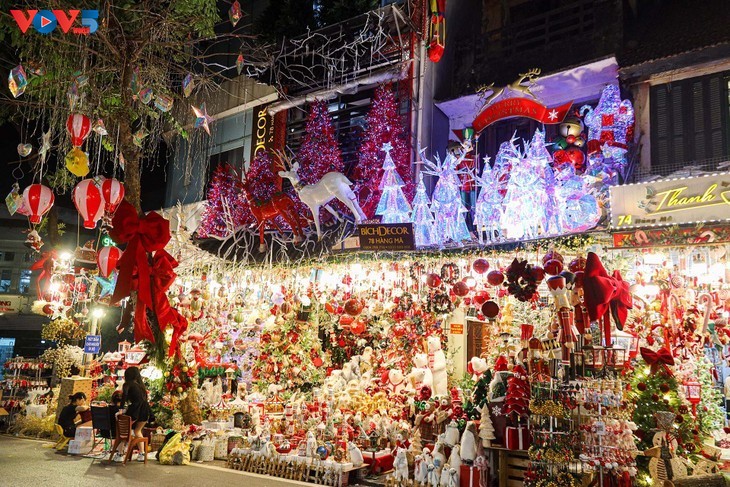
[(516, 403), (261, 183), (393, 206), (319, 153), (486, 428), (423, 222), (416, 447), (226, 208), (384, 125), (480, 395)]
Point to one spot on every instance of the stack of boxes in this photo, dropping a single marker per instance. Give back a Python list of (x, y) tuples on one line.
[(82, 442)]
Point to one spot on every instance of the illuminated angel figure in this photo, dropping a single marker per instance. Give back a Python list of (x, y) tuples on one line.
[(526, 199), (446, 202), (488, 208)]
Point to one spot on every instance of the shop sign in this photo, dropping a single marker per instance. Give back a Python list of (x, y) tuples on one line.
[(92, 344), (673, 236), (457, 329), (519, 107), (11, 304), (671, 202), (264, 131), (386, 236)]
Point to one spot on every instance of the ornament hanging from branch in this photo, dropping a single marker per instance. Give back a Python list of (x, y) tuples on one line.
[(203, 119), (38, 199), (78, 126)]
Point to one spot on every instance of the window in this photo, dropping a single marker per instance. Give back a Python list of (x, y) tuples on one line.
[(24, 285), (9, 256), (6, 277), (689, 123)]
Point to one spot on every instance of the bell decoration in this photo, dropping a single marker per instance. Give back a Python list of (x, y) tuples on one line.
[(38, 199), (107, 259), (113, 192), (89, 202), (78, 127)]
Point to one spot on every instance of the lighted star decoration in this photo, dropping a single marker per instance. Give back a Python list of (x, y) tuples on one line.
[(107, 285), (45, 146), (387, 147), (59, 310), (553, 114), (203, 119)]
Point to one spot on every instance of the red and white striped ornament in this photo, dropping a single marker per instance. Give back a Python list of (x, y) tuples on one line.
[(107, 258), (79, 127), (38, 199), (113, 192), (89, 202)]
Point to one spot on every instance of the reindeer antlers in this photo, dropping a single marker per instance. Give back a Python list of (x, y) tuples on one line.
[(285, 161), (531, 73)]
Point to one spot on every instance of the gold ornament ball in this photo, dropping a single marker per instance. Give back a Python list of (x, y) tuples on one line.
[(179, 390), (185, 369), (167, 374)]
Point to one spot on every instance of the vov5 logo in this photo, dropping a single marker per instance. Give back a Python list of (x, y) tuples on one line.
[(46, 21)]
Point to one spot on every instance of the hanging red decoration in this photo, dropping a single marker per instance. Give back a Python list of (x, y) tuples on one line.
[(78, 127), (89, 202), (38, 199), (353, 307), (107, 259), (553, 267), (577, 264), (346, 321), (490, 309), (357, 327), (481, 297), (433, 280), (436, 30), (450, 273), (461, 289), (480, 266), (113, 192), (495, 278)]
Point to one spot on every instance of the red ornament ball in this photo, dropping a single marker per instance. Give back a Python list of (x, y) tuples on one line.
[(461, 289), (679, 419), (481, 297), (495, 278), (641, 386), (353, 307), (317, 362), (655, 397), (664, 387), (538, 273), (346, 320), (399, 330), (490, 309), (480, 266), (47, 309), (433, 280), (551, 255), (357, 327), (578, 264), (554, 267)]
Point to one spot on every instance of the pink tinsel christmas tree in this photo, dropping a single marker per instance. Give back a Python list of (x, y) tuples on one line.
[(385, 125), (226, 208), (319, 153), (261, 183)]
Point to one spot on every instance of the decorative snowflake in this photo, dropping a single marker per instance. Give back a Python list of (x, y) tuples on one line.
[(497, 410)]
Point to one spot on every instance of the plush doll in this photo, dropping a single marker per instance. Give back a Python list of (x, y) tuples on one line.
[(455, 457), (418, 472), (415, 379), (476, 366), (469, 443), (355, 454), (439, 458), (437, 364), (433, 476), (400, 464), (444, 481), (420, 363)]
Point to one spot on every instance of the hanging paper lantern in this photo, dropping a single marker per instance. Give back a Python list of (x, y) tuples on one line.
[(77, 162), (113, 192), (107, 259), (353, 307), (480, 266), (433, 280), (38, 199), (495, 278), (89, 202), (461, 289), (78, 127)]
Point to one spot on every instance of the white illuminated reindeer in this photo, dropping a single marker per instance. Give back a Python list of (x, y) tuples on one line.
[(315, 196)]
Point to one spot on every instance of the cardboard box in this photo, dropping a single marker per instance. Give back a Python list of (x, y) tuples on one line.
[(70, 386), (84, 434), (79, 447)]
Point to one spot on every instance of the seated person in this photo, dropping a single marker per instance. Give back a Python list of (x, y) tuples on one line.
[(115, 404), (67, 418)]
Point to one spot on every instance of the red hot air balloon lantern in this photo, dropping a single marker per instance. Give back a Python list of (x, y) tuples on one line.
[(113, 192), (89, 202), (107, 259), (78, 126), (38, 199)]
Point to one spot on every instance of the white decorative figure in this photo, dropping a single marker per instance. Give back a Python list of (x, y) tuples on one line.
[(355, 454), (400, 464), (453, 477), (420, 470), (444, 481), (455, 457), (420, 362), (452, 434), (311, 444), (439, 457), (427, 457), (488, 208), (395, 381), (415, 379), (433, 475), (469, 443), (437, 364), (315, 196)]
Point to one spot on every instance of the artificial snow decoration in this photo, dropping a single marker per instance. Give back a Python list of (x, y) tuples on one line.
[(393, 206)]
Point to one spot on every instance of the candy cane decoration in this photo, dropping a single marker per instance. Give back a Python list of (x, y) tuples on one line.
[(706, 299)]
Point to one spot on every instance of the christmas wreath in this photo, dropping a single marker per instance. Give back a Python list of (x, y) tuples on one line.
[(522, 280), (179, 379)]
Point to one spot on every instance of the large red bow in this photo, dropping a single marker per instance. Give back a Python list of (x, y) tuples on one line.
[(662, 358), (45, 265), (148, 233), (163, 276), (605, 296)]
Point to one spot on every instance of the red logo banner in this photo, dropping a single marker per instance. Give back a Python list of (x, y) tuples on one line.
[(519, 107)]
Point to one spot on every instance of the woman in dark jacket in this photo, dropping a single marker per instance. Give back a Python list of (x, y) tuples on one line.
[(134, 396), (67, 418)]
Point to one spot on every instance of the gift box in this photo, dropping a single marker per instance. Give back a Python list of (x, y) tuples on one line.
[(76, 447), (468, 476), (517, 438)]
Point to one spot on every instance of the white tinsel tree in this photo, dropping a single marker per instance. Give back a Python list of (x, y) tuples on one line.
[(393, 206), (486, 428), (423, 223)]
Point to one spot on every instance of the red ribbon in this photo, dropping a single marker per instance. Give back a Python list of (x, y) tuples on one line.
[(163, 276), (149, 233), (45, 265), (662, 358), (605, 296)]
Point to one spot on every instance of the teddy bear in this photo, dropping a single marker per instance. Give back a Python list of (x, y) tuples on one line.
[(437, 364)]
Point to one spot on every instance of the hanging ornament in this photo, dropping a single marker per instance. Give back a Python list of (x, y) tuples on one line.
[(450, 273), (203, 119), (460, 289), (353, 307), (188, 85), (145, 95), (357, 327), (14, 200), (17, 81), (239, 63), (433, 280), (107, 259), (480, 266), (113, 192), (164, 103), (481, 297), (36, 68), (45, 146), (72, 94), (490, 309), (235, 13), (134, 83), (139, 136), (77, 162), (24, 149), (38, 199), (100, 128), (78, 127), (495, 278), (89, 202)]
